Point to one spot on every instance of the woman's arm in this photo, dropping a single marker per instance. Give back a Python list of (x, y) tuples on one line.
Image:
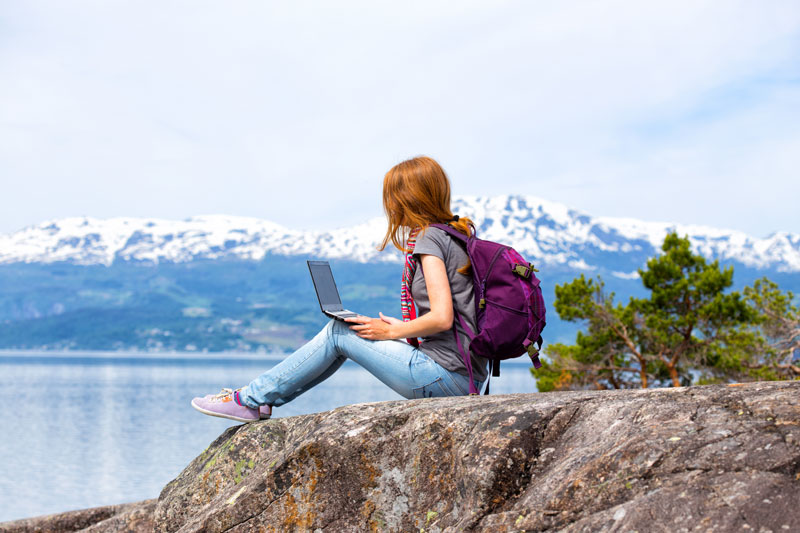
[(440, 317)]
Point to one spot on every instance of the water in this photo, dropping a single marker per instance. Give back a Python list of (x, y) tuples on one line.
[(81, 430)]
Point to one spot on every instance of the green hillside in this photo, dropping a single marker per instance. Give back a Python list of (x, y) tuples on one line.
[(211, 305), (267, 305)]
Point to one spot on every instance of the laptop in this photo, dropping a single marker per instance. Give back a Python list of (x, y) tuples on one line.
[(327, 294)]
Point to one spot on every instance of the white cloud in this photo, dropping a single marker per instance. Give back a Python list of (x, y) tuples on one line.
[(293, 111)]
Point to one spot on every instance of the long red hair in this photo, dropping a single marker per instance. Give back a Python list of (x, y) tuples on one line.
[(416, 193)]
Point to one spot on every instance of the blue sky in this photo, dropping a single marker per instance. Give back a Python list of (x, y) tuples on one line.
[(293, 111)]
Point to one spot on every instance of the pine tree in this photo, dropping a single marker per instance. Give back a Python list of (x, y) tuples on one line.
[(688, 330), (779, 324)]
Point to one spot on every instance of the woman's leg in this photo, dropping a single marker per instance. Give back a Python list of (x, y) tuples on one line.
[(309, 365), (407, 370)]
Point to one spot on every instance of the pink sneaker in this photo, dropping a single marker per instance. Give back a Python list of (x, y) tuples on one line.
[(224, 406)]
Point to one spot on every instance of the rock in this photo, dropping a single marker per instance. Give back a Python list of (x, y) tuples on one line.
[(127, 518), (712, 458), (707, 458)]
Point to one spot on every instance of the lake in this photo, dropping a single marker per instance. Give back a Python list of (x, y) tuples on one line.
[(87, 429)]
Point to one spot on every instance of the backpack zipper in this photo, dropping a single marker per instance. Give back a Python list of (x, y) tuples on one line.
[(507, 308), (482, 302)]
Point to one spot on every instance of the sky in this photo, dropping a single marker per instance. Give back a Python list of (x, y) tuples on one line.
[(679, 111)]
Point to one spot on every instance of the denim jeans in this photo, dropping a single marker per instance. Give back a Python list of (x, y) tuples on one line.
[(404, 368)]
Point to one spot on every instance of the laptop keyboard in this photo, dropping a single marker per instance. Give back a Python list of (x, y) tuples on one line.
[(343, 314)]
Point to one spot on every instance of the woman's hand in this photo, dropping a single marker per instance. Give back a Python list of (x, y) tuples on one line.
[(390, 319), (374, 329), (439, 318)]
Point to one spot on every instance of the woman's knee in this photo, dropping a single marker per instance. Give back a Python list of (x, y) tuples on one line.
[(333, 328), (326, 334), (336, 329), (340, 327)]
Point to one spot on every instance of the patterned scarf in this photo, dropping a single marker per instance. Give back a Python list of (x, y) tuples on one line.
[(407, 308)]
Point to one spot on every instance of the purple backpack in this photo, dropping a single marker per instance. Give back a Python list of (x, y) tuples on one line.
[(509, 307)]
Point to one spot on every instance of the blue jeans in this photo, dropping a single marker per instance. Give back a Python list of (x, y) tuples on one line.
[(404, 368)]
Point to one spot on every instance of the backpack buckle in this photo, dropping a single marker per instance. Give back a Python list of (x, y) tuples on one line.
[(523, 271), (533, 353)]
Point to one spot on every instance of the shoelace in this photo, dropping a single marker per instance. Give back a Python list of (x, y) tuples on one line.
[(225, 392)]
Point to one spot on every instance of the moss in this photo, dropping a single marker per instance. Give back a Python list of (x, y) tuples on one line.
[(227, 447), (241, 469), (601, 487), (221, 452)]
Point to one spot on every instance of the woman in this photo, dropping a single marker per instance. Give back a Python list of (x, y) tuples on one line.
[(436, 277)]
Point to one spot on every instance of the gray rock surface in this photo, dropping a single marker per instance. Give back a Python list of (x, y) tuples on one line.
[(126, 518), (713, 458)]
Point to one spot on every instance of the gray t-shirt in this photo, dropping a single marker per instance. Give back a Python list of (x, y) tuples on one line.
[(442, 347)]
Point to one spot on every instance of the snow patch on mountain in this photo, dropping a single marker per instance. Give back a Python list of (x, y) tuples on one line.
[(544, 232)]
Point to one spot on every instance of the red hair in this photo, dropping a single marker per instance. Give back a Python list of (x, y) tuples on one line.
[(416, 193)]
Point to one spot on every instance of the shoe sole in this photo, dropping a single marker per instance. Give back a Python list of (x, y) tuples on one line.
[(220, 415)]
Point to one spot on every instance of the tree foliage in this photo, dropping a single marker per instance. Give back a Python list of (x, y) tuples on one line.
[(691, 329), (779, 323)]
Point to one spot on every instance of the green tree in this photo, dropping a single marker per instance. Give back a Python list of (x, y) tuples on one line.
[(688, 329), (779, 324)]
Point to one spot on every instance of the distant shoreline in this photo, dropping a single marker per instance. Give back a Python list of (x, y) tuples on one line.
[(6, 353)]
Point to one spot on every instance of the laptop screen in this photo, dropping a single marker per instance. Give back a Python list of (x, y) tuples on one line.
[(326, 288)]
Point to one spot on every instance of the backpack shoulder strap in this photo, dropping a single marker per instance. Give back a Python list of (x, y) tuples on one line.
[(465, 354), (451, 231)]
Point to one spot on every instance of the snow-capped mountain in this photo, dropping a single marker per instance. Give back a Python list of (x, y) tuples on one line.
[(544, 232)]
